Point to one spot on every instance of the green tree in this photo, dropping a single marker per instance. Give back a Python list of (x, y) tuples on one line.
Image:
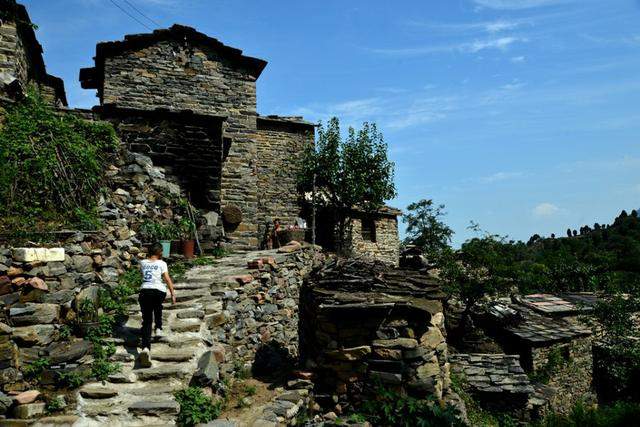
[(348, 173), (425, 228)]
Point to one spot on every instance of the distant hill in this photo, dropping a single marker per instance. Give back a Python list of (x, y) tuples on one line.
[(595, 257)]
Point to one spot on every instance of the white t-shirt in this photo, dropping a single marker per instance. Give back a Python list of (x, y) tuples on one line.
[(152, 272)]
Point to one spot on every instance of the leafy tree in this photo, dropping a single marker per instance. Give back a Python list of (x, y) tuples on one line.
[(425, 229), (348, 174), (479, 268)]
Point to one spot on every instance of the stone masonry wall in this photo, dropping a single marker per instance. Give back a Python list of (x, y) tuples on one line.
[(572, 380), (280, 152), (190, 148), (13, 56), (169, 75), (387, 243), (21, 57)]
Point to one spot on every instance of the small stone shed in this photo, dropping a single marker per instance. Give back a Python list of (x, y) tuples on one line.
[(189, 102), (363, 323), (545, 331), (368, 234), (21, 62)]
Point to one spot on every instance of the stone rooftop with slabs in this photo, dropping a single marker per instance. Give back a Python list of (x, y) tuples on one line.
[(567, 304), (526, 326)]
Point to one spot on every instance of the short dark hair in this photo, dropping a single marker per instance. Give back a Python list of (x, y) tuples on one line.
[(155, 249)]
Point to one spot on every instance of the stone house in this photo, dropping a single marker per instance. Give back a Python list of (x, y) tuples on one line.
[(21, 62), (189, 102)]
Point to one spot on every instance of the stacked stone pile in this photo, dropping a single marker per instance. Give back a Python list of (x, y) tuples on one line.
[(362, 323)]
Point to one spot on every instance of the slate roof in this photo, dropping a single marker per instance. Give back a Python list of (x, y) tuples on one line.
[(560, 305), (520, 322), (492, 373)]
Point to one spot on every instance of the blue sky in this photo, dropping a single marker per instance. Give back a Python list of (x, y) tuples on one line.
[(522, 115)]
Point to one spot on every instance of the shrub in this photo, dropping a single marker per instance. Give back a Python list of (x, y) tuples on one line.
[(393, 409), (33, 370), (69, 379), (56, 404), (196, 407), (51, 165), (621, 414)]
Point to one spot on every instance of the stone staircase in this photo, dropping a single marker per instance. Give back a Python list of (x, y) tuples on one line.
[(217, 309), (138, 396)]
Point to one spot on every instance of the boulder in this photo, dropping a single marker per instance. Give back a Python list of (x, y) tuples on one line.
[(26, 397), (57, 268), (60, 297), (207, 371), (97, 392), (5, 403), (34, 314), (65, 352), (40, 335), (30, 410), (82, 263)]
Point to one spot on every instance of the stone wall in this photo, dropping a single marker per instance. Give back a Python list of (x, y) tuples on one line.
[(254, 308), (571, 380), (281, 145), (360, 323), (386, 246), (188, 146), (21, 60)]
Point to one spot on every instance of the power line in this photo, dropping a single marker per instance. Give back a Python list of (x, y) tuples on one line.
[(142, 14), (131, 16)]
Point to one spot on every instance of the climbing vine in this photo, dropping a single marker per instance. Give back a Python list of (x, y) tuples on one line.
[(51, 165)]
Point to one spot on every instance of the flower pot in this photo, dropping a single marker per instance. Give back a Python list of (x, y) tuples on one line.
[(166, 248), (188, 248)]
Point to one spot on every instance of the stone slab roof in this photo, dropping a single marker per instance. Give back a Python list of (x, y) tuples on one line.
[(560, 305), (286, 119), (519, 322), (91, 78), (492, 373), (363, 281)]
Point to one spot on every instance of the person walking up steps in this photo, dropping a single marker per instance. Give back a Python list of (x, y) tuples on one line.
[(152, 294)]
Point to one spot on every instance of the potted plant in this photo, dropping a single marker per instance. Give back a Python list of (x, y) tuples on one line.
[(87, 316), (185, 229), (153, 231)]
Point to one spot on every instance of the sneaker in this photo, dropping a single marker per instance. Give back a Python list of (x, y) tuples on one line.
[(145, 358), (158, 333)]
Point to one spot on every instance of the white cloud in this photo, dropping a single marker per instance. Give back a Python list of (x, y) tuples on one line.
[(518, 59), (517, 4), (545, 210), (500, 176), (498, 26), (500, 43)]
